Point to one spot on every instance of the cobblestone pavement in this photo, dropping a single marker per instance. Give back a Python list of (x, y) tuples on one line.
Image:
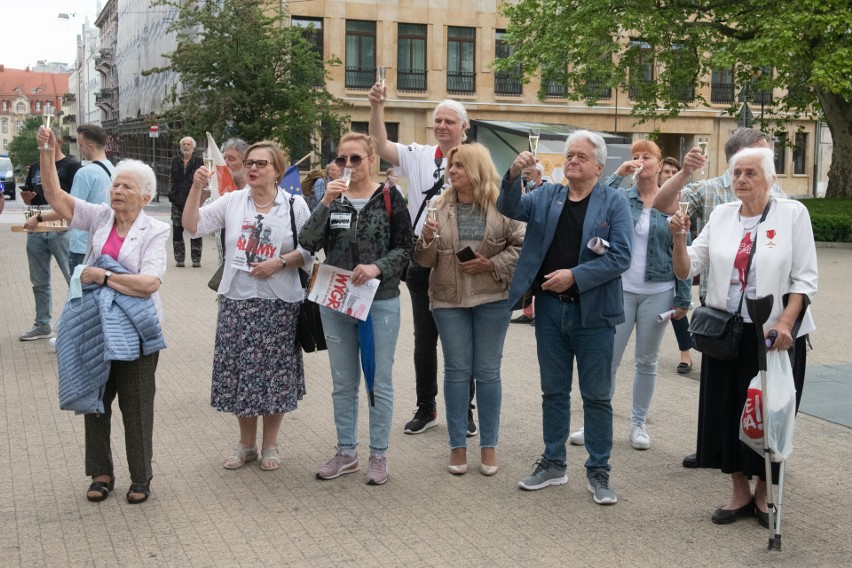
[(202, 515)]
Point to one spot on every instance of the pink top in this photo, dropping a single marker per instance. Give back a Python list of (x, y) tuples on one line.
[(112, 246)]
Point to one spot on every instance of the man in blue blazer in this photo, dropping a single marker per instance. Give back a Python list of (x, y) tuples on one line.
[(578, 242)]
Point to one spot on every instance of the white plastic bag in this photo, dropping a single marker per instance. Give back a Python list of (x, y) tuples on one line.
[(778, 409)]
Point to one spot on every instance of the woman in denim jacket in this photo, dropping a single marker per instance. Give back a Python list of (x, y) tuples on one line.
[(468, 295), (650, 287)]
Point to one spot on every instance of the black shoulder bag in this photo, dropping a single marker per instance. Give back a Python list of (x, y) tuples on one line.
[(309, 330), (717, 333)]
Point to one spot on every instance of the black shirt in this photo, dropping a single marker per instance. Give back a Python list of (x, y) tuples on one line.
[(181, 178), (66, 168), (564, 251)]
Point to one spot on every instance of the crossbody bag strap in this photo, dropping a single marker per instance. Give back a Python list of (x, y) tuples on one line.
[(103, 167), (751, 254)]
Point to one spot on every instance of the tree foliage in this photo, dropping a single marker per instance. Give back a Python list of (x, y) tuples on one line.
[(244, 71), (802, 47), (23, 149)]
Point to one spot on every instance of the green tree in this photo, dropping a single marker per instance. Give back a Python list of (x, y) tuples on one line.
[(23, 149), (244, 71), (587, 44)]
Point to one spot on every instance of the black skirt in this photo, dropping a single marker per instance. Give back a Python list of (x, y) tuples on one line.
[(722, 394)]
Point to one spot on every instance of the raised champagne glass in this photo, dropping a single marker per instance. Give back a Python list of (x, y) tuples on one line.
[(702, 144), (432, 214), (534, 134), (208, 164), (345, 177), (683, 209), (381, 77), (48, 116)]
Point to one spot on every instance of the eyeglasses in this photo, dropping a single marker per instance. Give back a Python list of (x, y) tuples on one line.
[(354, 159), (259, 163)]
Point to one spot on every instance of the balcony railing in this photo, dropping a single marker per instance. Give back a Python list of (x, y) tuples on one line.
[(599, 90), (508, 84), (684, 93), (70, 118), (360, 78), (106, 97), (722, 93), (411, 80), (762, 97), (555, 90), (461, 82)]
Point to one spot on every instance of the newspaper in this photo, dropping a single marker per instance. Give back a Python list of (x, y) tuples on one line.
[(260, 239), (332, 287)]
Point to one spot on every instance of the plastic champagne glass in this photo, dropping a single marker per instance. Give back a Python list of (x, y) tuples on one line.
[(432, 214), (684, 212), (382, 75), (48, 115), (208, 163), (703, 146), (345, 177), (534, 134)]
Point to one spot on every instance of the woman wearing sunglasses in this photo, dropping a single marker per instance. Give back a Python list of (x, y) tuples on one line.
[(363, 233), (257, 362)]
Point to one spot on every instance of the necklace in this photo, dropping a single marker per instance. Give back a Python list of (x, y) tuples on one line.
[(258, 205)]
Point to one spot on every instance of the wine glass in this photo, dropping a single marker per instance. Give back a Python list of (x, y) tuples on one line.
[(683, 207), (208, 163), (382, 75), (48, 115), (345, 177), (534, 134), (702, 144), (432, 214), (634, 177)]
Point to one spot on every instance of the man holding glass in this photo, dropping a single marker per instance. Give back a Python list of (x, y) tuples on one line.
[(424, 167), (41, 247), (182, 170)]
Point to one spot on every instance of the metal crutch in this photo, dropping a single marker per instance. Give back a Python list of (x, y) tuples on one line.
[(759, 310)]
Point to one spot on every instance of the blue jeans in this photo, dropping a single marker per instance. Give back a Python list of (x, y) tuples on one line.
[(74, 259), (641, 310), (559, 339), (341, 334), (41, 247), (472, 341)]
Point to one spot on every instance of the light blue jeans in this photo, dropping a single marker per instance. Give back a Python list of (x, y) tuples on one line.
[(472, 341), (41, 247), (641, 311), (560, 337), (341, 335)]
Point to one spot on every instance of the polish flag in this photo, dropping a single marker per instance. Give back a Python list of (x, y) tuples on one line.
[(222, 182)]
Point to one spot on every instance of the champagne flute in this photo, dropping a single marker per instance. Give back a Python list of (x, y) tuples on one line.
[(534, 134), (634, 177), (684, 212), (432, 214), (208, 163), (345, 177), (702, 144), (48, 114), (382, 74)]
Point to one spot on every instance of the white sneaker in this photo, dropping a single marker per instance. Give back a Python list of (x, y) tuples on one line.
[(577, 438), (639, 437)]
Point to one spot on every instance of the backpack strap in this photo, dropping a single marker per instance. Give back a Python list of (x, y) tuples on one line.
[(104, 168)]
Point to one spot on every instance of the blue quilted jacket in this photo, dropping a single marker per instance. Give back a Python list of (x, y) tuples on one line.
[(102, 326)]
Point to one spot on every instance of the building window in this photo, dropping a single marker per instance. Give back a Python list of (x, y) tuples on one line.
[(5, 144), (311, 29), (506, 82), (5, 106), (411, 57), (799, 152), (5, 125), (642, 68), (392, 129), (780, 150), (21, 108), (19, 125), (762, 96), (722, 86), (38, 106), (360, 54), (461, 57)]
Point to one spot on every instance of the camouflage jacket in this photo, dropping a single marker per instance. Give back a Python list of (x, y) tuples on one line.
[(371, 236)]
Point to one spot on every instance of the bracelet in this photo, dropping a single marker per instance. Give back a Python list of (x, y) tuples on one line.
[(39, 218)]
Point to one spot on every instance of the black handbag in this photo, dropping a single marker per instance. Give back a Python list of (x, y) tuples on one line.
[(717, 333), (216, 279), (309, 330)]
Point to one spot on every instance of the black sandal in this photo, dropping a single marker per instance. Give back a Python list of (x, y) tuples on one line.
[(102, 487), (143, 488)]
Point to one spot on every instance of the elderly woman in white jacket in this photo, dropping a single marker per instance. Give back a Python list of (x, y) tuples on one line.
[(257, 362), (784, 265)]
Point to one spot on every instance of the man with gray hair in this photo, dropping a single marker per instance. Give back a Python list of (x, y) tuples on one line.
[(183, 168), (704, 195), (424, 166), (578, 242)]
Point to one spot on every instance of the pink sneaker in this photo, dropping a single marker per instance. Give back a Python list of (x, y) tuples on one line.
[(340, 464), (377, 473)]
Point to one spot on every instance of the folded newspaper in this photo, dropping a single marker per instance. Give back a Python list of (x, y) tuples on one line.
[(332, 287)]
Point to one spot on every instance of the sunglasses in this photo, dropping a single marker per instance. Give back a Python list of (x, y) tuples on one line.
[(259, 163), (354, 159)]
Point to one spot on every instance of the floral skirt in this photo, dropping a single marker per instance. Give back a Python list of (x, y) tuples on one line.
[(257, 363)]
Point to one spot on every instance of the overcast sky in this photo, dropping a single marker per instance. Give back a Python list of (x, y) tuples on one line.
[(32, 31)]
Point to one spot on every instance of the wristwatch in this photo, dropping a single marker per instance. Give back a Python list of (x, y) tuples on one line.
[(107, 274), (283, 262), (39, 218)]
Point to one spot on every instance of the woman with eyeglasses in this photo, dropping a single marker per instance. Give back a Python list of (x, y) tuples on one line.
[(257, 362), (365, 229)]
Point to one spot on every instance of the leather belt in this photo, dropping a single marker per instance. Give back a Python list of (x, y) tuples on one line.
[(565, 298)]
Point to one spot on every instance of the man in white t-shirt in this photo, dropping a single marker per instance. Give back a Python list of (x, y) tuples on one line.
[(424, 166)]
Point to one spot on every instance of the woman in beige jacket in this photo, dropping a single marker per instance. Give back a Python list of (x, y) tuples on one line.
[(472, 250)]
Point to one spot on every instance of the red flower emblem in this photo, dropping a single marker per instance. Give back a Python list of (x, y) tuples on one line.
[(770, 233)]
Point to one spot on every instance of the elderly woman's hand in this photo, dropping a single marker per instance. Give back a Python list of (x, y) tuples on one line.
[(92, 275), (265, 269), (478, 265), (628, 167), (428, 231)]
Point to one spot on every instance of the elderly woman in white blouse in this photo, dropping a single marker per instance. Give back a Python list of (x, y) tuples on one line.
[(257, 362)]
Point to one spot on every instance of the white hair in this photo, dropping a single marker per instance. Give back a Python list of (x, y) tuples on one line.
[(457, 108), (766, 161), (191, 139), (143, 174), (596, 140)]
